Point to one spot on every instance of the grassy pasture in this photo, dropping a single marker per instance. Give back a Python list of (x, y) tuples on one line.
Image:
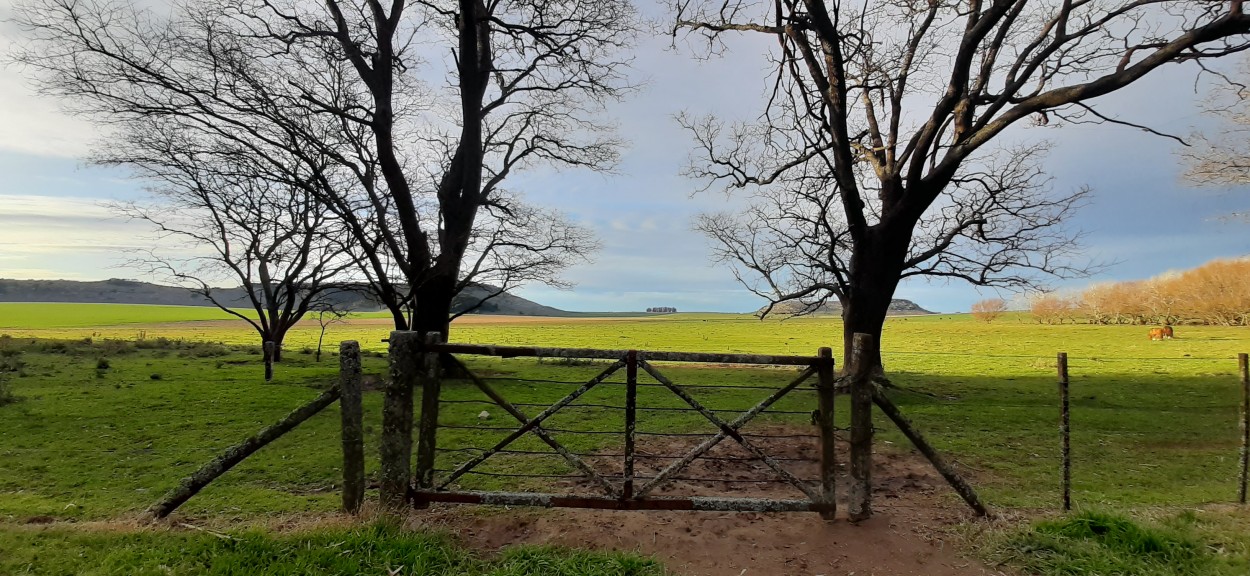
[(1154, 423)]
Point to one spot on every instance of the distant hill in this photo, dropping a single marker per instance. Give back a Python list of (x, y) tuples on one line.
[(898, 307), (117, 291)]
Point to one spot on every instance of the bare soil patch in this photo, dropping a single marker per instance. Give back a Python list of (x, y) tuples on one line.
[(910, 533)]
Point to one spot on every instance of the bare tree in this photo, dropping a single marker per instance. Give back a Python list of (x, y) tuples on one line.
[(989, 310), (1221, 157), (222, 217), (343, 88), (873, 160)]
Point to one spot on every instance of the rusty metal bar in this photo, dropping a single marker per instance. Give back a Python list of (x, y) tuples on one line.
[(711, 358), (631, 418), (559, 448), (730, 429), (530, 425), (692, 503)]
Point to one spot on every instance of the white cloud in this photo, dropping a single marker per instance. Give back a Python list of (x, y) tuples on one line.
[(63, 237)]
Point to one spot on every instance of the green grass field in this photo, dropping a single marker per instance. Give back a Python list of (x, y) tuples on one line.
[(102, 428)]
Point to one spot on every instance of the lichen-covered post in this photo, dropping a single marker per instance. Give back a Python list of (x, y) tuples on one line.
[(825, 422), (269, 349), (860, 371), (1243, 365), (427, 427), (353, 433), (396, 449), (1065, 431)]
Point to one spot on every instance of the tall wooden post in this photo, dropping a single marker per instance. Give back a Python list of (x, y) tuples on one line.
[(269, 349), (1243, 365), (427, 427), (1065, 431), (396, 449), (353, 428), (863, 348), (631, 420), (824, 420)]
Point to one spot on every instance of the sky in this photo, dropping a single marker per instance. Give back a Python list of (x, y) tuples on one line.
[(1142, 218)]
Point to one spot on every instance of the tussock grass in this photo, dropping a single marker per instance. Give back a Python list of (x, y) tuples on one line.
[(1096, 543)]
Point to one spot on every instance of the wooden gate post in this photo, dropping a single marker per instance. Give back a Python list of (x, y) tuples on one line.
[(1243, 365), (269, 349), (353, 433), (396, 449), (427, 427), (1065, 430), (860, 372), (631, 422), (824, 419)]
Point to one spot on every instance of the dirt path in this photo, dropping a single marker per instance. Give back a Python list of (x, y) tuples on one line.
[(908, 535), (896, 542)]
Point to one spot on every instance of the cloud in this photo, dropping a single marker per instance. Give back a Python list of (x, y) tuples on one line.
[(63, 237)]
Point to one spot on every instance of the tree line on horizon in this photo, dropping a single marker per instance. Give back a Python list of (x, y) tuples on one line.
[(1216, 293)]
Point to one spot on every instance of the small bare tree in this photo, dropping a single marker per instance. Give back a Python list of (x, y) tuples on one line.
[(989, 310), (222, 217), (874, 159), (327, 313)]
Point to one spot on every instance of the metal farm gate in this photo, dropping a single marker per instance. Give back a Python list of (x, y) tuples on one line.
[(620, 485)]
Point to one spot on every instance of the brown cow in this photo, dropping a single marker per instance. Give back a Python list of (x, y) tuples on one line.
[(1156, 334)]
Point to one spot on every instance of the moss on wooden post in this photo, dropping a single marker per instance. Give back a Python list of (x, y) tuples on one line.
[(353, 433), (1243, 366), (396, 448), (825, 422), (1065, 443), (427, 428), (860, 373)]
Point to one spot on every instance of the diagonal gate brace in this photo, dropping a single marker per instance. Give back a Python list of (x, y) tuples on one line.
[(538, 430), (730, 430), (530, 424)]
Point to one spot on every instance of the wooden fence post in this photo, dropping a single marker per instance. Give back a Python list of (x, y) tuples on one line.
[(353, 427), (269, 349), (1243, 365), (427, 427), (860, 371), (396, 449), (631, 421), (1065, 449), (824, 419)]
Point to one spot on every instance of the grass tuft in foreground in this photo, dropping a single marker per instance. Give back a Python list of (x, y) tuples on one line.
[(375, 549), (1103, 544)]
